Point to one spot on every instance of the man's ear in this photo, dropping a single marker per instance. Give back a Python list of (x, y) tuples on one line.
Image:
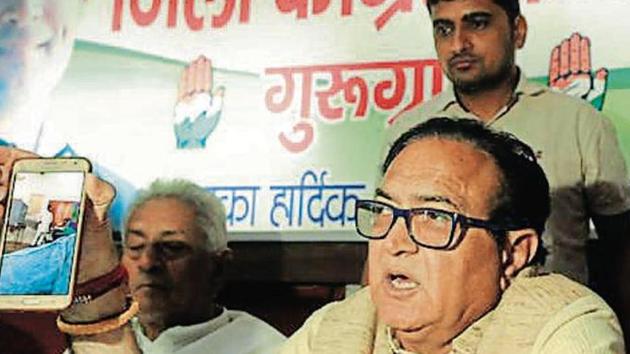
[(519, 249), (222, 259), (218, 263), (520, 31)]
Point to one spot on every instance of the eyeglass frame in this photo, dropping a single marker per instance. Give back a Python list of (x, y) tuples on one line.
[(456, 218)]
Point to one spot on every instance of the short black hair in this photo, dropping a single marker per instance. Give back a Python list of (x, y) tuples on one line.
[(522, 200), (511, 7)]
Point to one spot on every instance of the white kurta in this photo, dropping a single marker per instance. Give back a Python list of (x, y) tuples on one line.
[(232, 332)]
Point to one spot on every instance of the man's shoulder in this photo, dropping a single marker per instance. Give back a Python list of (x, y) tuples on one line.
[(568, 313), (545, 312), (253, 323), (541, 97), (552, 112), (338, 327), (543, 295), (428, 109), (359, 301)]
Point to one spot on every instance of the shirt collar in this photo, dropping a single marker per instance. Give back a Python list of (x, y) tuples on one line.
[(524, 87), (177, 337)]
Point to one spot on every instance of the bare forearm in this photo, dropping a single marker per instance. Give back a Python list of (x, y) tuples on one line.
[(120, 340), (110, 312)]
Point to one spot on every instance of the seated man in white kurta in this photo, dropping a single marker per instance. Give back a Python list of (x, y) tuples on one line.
[(175, 252)]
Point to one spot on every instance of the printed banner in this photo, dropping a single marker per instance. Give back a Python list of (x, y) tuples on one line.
[(278, 107)]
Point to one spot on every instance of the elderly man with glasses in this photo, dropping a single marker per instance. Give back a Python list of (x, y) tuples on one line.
[(453, 258)]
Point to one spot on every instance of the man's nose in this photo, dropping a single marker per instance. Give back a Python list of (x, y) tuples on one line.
[(461, 41), (150, 259), (398, 241)]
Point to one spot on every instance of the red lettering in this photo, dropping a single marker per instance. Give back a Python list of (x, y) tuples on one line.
[(323, 98), (399, 5), (144, 15), (194, 22), (145, 18), (172, 13), (438, 79), (320, 6), (346, 8), (307, 84), (117, 19), (372, 3), (284, 103), (245, 6), (350, 95), (396, 88), (293, 5), (305, 136), (224, 17)]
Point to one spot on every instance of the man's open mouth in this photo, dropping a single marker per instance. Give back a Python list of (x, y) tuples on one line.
[(402, 282)]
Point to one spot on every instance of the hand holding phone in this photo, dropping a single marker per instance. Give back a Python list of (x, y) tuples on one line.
[(42, 232), (98, 256)]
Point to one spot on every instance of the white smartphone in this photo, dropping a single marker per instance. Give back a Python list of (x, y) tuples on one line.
[(41, 233)]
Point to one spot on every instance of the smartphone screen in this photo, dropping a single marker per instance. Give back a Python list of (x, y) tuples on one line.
[(41, 233)]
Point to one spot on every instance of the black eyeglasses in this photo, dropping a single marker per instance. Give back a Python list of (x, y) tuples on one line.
[(427, 227)]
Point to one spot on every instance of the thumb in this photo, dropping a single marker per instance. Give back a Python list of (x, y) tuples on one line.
[(598, 92), (216, 101), (100, 196), (600, 82), (220, 91)]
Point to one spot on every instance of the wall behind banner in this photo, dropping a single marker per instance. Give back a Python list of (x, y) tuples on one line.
[(310, 87)]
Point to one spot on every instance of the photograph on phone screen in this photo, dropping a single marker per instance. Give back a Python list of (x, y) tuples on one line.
[(41, 233)]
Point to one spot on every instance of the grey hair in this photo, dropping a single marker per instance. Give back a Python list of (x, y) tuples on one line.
[(208, 209)]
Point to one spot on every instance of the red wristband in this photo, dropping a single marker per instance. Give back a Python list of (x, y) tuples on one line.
[(93, 288)]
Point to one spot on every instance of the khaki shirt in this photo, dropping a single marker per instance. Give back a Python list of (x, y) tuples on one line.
[(577, 148)]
